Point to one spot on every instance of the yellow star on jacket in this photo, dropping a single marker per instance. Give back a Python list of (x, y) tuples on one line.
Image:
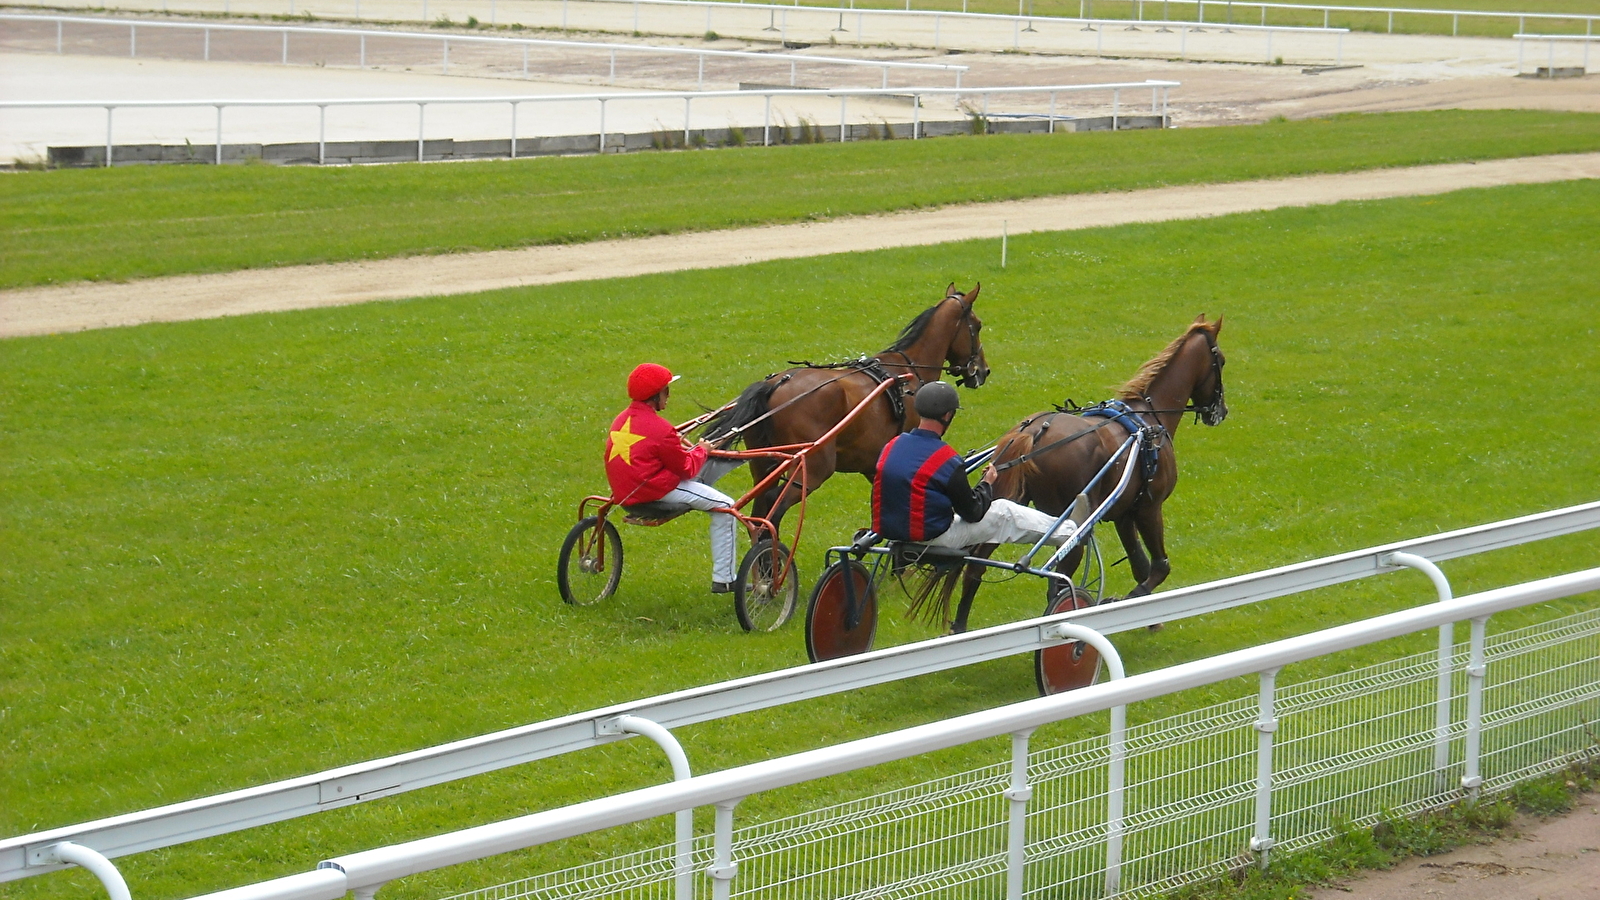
[(622, 442)]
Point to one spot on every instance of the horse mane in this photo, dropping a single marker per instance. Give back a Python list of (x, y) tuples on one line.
[(1136, 387), (913, 332)]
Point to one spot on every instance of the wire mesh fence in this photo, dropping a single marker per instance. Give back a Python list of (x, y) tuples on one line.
[(1351, 748)]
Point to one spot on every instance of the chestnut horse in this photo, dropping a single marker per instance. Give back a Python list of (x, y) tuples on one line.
[(800, 405), (1050, 457)]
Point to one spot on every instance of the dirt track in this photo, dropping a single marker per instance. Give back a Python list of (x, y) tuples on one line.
[(1553, 859), (83, 306)]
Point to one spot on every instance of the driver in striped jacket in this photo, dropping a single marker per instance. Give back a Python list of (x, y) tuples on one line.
[(921, 494)]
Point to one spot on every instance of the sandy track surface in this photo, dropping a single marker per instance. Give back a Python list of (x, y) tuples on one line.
[(1552, 859), (96, 305)]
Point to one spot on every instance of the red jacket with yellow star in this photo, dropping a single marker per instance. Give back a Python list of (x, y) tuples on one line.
[(645, 458)]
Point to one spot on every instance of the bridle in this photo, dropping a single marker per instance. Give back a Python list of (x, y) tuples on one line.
[(1214, 412), (1211, 413), (966, 374)]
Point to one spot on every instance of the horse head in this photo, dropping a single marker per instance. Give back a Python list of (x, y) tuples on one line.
[(964, 359), (1206, 397)]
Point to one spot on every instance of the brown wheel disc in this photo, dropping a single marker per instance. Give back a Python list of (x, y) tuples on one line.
[(829, 634), (1068, 665)]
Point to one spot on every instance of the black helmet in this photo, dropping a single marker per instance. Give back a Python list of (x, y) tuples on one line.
[(935, 400)]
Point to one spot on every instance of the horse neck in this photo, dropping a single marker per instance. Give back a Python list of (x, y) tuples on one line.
[(1171, 388), (928, 353)]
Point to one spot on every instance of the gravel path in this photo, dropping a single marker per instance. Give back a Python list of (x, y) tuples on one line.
[(103, 305)]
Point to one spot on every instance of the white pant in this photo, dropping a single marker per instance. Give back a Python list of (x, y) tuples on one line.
[(724, 527), (1004, 523)]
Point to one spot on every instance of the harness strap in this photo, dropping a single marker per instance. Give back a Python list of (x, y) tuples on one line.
[(1050, 446)]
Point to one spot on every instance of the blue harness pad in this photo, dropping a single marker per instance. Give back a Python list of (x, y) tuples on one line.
[(1118, 412), (1123, 415)]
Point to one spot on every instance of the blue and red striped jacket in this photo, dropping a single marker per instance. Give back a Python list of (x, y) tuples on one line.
[(921, 484)]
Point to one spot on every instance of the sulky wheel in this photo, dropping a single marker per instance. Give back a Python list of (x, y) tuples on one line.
[(591, 562), (768, 587), (831, 629), (1068, 665)]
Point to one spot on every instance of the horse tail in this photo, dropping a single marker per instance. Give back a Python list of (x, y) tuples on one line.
[(1012, 483), (751, 405), (930, 602)]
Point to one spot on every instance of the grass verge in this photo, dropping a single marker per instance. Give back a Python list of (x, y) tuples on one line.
[(1312, 16), (139, 222), (244, 549)]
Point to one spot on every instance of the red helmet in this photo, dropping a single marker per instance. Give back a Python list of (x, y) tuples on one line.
[(648, 379)]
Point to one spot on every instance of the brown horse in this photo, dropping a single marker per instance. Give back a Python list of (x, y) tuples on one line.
[(800, 405), (1050, 457)]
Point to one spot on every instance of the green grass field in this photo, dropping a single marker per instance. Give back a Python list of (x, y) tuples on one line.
[(1244, 13), (127, 223), (245, 549)]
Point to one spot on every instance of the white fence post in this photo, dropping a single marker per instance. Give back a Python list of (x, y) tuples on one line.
[(1441, 726), (322, 134), (513, 129), (108, 135), (602, 126), (1472, 780), (766, 124), (1266, 725), (683, 864), (1019, 794), (421, 113), (723, 868), (219, 134), (97, 864)]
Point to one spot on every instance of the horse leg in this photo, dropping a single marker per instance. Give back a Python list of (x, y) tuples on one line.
[(1152, 530), (971, 580), (819, 468), (763, 502), (1138, 561)]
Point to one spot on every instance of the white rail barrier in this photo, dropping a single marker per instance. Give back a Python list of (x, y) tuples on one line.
[(367, 871), (1553, 40), (778, 21), (444, 41), (27, 855), (1159, 91)]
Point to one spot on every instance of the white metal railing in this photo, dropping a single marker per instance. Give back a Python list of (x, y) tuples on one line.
[(778, 21), (1553, 40), (24, 856), (367, 871), (1086, 11), (1350, 747), (1159, 92), (444, 41)]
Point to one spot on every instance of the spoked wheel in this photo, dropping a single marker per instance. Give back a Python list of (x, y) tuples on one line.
[(591, 562), (768, 587), (843, 614), (1070, 665)]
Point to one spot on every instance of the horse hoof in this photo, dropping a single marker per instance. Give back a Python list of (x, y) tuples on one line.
[(1157, 626)]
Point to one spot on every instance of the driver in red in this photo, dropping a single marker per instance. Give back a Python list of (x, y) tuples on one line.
[(647, 462)]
